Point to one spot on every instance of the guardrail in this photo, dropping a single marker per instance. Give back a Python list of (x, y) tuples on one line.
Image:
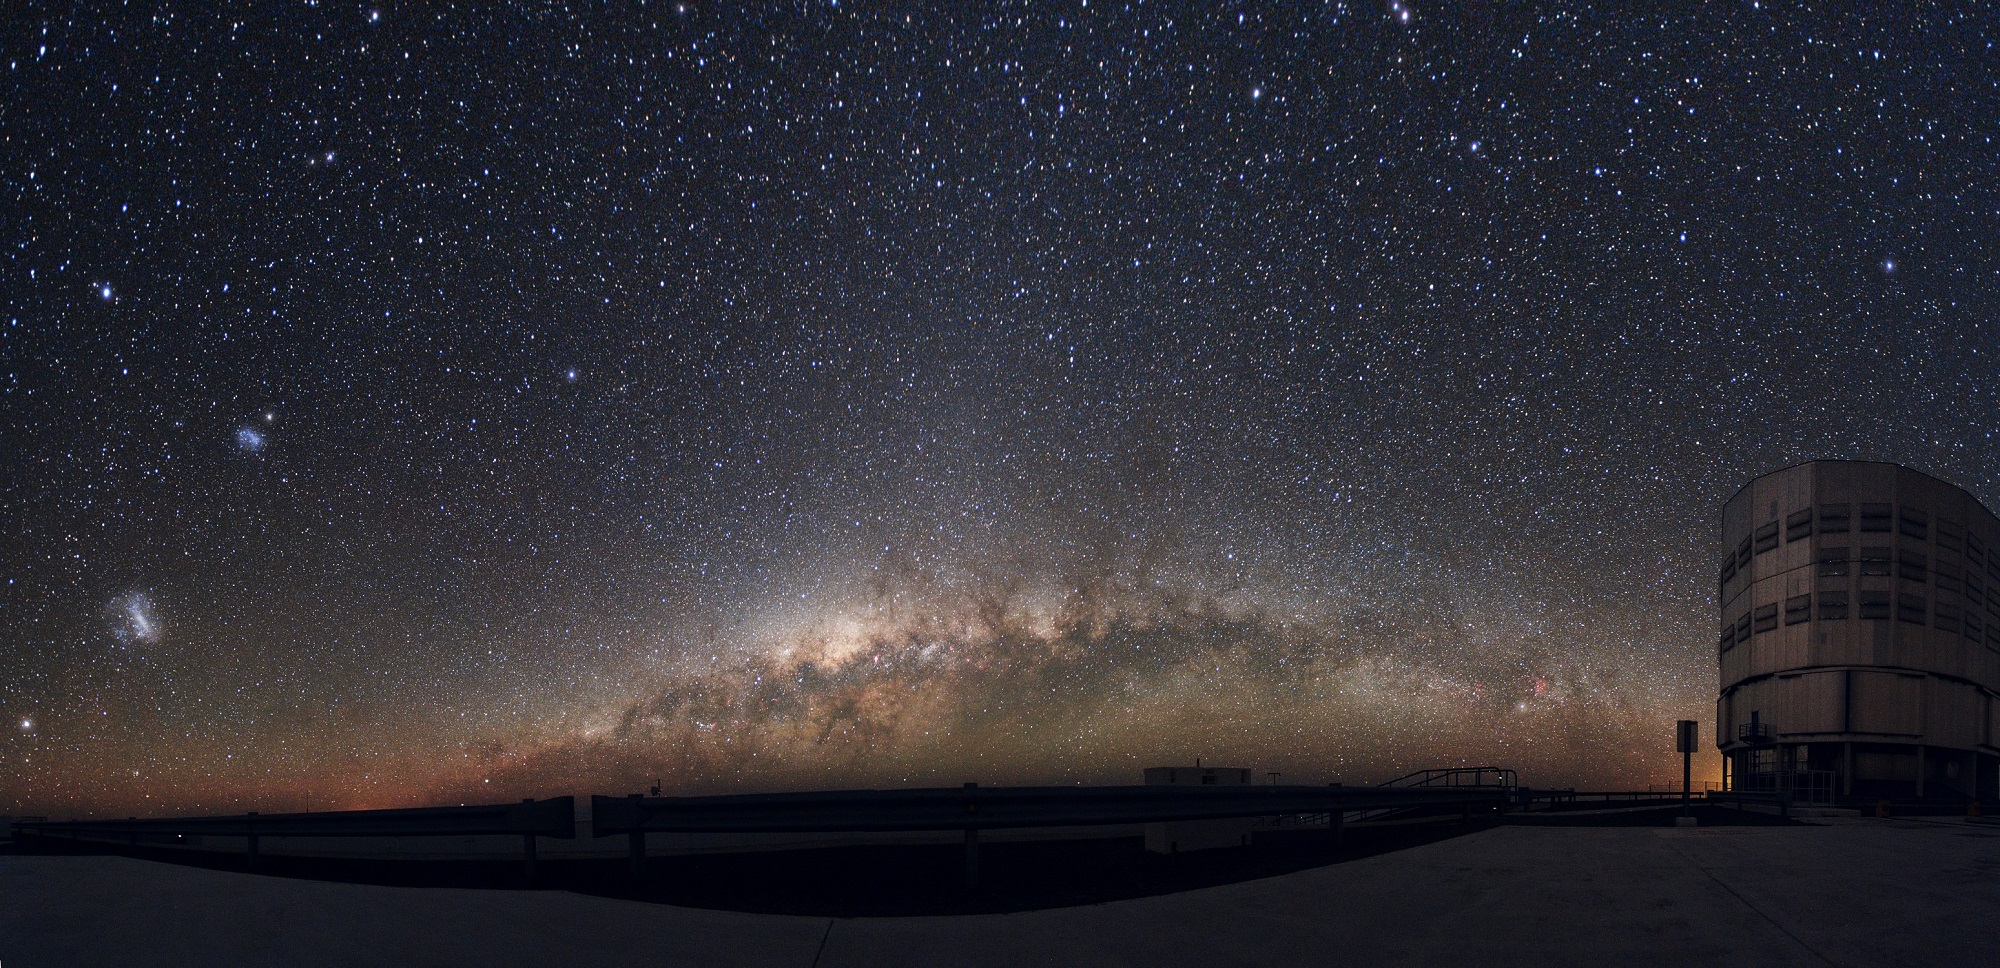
[(970, 809), (973, 808), (1604, 796), (555, 817), (1776, 801), (1456, 776)]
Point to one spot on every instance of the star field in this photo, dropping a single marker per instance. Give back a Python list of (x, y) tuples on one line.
[(408, 405)]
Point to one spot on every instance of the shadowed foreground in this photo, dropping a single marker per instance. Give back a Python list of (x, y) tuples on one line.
[(1851, 892)]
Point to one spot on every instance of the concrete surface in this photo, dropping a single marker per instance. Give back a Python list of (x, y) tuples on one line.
[(1844, 892)]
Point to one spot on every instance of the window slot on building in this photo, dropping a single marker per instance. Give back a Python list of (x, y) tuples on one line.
[(1946, 617), (1974, 548), (1833, 519), (1912, 608), (1948, 578), (1743, 627), (1912, 566), (1950, 537), (1798, 525), (1993, 637), (1743, 554), (1974, 591), (1874, 561), (1798, 608), (1728, 568), (1728, 636), (1877, 517), (1832, 606), (1767, 537), (1916, 524), (1873, 604), (1972, 630), (1833, 561), (1765, 618)]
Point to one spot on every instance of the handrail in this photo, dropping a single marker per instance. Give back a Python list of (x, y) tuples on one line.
[(974, 807), (1452, 777), (970, 809), (554, 817)]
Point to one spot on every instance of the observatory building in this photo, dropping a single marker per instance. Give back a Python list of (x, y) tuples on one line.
[(1860, 635)]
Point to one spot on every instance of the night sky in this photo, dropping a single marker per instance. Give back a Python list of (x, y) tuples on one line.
[(410, 405)]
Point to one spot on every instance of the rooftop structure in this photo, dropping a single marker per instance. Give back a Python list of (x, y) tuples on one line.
[(1172, 837)]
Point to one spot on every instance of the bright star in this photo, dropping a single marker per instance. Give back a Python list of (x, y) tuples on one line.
[(27, 724), (1888, 265), (104, 292)]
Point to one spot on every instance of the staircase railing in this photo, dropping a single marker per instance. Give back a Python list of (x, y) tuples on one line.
[(1496, 777)]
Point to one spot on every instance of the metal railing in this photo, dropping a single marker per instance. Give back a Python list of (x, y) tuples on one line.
[(1457, 778), (1810, 787), (529, 819), (1598, 801), (973, 808), (970, 809), (977, 807)]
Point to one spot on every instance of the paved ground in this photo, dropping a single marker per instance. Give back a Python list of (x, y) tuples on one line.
[(1860, 892)]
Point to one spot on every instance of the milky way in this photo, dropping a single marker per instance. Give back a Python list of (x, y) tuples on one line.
[(406, 406)]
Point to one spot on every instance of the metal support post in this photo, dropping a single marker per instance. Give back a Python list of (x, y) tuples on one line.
[(528, 854), (635, 847), (1687, 736), (971, 860), (1687, 781), (971, 838)]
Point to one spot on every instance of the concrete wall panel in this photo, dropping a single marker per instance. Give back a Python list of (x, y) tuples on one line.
[(1814, 702), (1886, 702), (1953, 713)]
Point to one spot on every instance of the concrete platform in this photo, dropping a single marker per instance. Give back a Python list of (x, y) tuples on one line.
[(1845, 892)]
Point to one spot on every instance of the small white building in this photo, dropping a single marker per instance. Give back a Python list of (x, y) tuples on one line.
[(1172, 837)]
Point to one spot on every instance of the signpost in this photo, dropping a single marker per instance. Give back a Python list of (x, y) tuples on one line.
[(1687, 735)]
